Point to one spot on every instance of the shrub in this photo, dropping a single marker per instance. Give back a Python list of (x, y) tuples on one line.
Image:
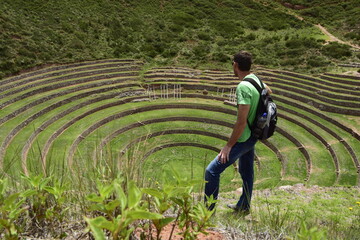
[(176, 28), (250, 37), (201, 51), (290, 61), (293, 43), (220, 56), (204, 36), (149, 50), (317, 61), (353, 35), (170, 51), (336, 50), (263, 61), (228, 29), (77, 44), (183, 19), (123, 49)]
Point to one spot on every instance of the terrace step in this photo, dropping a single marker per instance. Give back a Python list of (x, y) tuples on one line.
[(62, 76), (62, 67)]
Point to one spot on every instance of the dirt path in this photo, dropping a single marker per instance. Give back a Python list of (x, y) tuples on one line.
[(333, 38)]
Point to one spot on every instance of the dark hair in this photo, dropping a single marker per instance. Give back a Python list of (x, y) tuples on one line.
[(244, 60)]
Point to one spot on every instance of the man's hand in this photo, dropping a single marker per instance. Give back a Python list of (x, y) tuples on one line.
[(223, 156)]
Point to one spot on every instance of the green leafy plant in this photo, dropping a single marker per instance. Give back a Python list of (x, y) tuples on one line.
[(37, 196), (159, 202), (119, 210), (312, 233), (57, 211), (192, 218), (46, 202), (11, 208)]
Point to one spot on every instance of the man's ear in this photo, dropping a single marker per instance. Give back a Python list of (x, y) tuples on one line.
[(236, 69)]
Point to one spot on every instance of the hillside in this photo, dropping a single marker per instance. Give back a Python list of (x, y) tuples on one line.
[(195, 33)]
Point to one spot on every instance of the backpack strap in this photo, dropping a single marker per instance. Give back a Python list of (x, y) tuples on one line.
[(255, 84), (258, 88)]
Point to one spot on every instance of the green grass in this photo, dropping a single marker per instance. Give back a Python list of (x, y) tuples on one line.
[(323, 169), (294, 162), (346, 165), (312, 84), (280, 213), (274, 212), (294, 165)]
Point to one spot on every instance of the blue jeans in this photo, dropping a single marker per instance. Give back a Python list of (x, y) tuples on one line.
[(243, 151)]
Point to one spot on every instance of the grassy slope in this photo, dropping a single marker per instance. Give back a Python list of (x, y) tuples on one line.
[(192, 33), (280, 213), (341, 17)]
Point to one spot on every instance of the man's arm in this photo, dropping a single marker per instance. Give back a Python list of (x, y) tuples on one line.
[(243, 111)]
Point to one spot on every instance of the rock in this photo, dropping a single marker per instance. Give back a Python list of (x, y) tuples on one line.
[(286, 187), (299, 185), (141, 100)]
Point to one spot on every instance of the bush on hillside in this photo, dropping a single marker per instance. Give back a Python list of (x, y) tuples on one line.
[(264, 60), (318, 61), (355, 35), (295, 61), (183, 19), (228, 28), (204, 36), (336, 50), (302, 42), (200, 51), (220, 56)]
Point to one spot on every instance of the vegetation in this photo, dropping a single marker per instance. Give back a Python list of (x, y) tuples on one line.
[(196, 33), (339, 17), (89, 149), (114, 208)]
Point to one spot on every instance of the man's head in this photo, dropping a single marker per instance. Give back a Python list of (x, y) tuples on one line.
[(242, 61)]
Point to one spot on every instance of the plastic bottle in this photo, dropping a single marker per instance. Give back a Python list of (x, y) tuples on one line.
[(262, 121)]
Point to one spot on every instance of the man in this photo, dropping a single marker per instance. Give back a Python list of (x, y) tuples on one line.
[(241, 144)]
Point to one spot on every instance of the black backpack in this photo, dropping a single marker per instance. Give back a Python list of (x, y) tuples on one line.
[(265, 120)]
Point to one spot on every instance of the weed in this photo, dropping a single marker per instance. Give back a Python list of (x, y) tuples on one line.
[(11, 207), (119, 210)]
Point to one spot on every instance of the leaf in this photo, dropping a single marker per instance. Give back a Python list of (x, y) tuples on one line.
[(112, 205), (165, 221), (106, 191), (3, 185), (5, 223), (142, 214), (97, 231), (175, 173), (164, 206), (43, 182), (94, 198), (121, 196), (153, 192), (28, 193), (134, 195), (178, 201), (11, 199)]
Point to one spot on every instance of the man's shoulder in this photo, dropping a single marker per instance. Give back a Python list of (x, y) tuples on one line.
[(247, 83)]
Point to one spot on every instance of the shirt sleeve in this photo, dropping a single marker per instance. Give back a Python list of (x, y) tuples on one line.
[(243, 94)]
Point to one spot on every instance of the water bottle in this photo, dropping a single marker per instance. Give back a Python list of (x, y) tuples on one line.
[(262, 121)]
